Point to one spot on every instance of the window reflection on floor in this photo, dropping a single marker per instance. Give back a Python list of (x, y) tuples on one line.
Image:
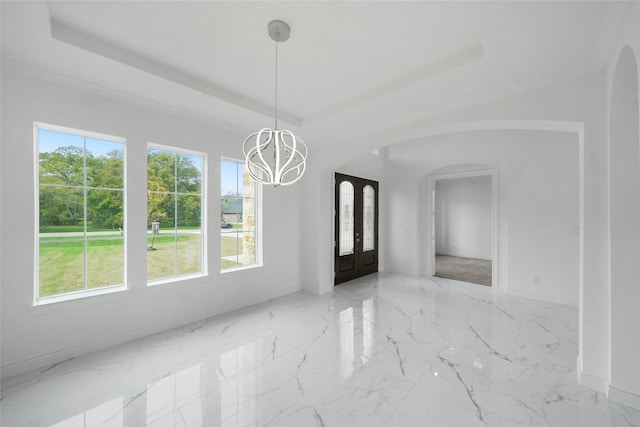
[(181, 390), (238, 385), (368, 328), (108, 414), (350, 333), (346, 343)]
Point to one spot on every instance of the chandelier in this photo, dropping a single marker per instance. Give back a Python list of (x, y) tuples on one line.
[(275, 156)]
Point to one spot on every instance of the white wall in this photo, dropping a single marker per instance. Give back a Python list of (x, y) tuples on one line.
[(538, 205), (623, 78), (36, 336), (463, 217), (368, 166)]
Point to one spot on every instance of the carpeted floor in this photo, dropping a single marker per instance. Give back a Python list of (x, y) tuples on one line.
[(464, 269)]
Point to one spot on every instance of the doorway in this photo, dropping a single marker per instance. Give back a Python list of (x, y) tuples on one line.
[(356, 228), (463, 227)]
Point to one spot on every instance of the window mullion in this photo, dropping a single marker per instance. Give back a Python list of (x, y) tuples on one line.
[(175, 215), (239, 196), (84, 207)]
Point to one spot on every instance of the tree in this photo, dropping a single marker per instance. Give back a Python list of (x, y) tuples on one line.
[(64, 166), (59, 172), (168, 173), (60, 206), (105, 203), (63, 175), (67, 170)]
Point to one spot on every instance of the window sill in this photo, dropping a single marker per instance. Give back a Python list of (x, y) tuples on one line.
[(44, 301), (174, 279), (238, 269)]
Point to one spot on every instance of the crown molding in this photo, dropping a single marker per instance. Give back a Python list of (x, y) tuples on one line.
[(68, 34), (84, 86)]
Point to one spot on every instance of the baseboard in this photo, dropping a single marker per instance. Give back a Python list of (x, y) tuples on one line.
[(543, 297), (37, 362), (590, 381), (464, 255), (624, 397)]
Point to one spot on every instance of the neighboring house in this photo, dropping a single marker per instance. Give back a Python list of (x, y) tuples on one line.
[(232, 211)]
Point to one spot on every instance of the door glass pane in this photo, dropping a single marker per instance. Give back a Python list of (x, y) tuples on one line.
[(368, 218), (346, 207)]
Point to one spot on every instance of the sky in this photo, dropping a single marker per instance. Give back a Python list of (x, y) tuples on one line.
[(49, 140), (231, 177)]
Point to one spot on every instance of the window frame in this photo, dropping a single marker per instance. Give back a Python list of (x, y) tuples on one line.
[(87, 292), (204, 270), (258, 222)]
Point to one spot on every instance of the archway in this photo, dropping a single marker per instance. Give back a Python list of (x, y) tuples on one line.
[(624, 170)]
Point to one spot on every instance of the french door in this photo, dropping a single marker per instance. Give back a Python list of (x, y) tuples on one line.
[(356, 219)]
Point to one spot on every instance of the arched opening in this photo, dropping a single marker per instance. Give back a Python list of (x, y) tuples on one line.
[(624, 169)]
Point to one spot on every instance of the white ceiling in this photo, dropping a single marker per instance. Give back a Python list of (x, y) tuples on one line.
[(347, 65)]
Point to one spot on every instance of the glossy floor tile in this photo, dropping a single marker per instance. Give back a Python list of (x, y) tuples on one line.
[(381, 351)]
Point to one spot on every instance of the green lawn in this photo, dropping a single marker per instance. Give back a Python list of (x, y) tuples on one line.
[(173, 258), (231, 246), (61, 260), (79, 228)]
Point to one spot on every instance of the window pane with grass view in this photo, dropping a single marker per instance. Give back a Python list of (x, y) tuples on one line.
[(81, 211), (174, 213), (239, 208)]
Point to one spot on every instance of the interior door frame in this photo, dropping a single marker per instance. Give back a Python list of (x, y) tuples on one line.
[(495, 222)]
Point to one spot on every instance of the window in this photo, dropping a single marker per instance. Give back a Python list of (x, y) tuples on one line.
[(368, 218), (239, 208), (174, 213), (346, 211), (80, 211)]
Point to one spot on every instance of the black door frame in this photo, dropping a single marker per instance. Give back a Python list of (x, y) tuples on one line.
[(359, 263)]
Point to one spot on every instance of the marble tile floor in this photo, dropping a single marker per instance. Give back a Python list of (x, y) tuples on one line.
[(384, 350)]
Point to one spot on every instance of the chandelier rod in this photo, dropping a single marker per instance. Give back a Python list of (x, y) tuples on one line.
[(276, 112)]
